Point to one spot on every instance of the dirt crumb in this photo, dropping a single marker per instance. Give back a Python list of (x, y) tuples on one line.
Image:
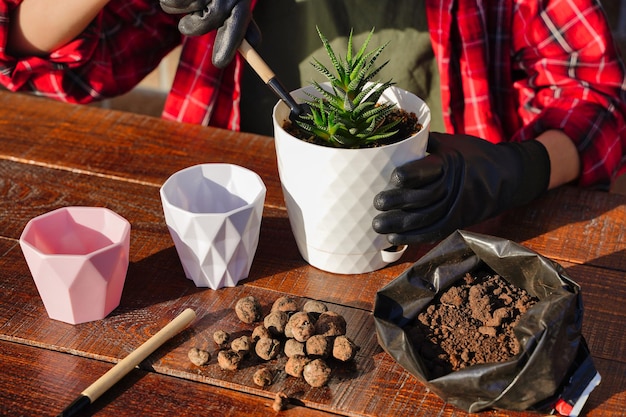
[(281, 401)]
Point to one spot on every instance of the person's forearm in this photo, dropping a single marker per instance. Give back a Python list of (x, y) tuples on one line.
[(40, 26), (564, 158)]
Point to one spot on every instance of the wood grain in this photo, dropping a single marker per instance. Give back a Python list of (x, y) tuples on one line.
[(54, 155), (40, 382), (115, 144)]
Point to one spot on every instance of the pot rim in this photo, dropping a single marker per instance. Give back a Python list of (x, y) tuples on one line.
[(391, 92)]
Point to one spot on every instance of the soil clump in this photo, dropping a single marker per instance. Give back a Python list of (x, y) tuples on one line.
[(470, 323)]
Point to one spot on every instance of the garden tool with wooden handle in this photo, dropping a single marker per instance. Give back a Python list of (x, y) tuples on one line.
[(267, 75)]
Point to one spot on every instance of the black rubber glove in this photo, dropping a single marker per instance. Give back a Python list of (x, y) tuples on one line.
[(231, 18), (462, 181)]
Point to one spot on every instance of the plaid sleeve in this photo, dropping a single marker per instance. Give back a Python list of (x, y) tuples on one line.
[(575, 82), (118, 49), (202, 93)]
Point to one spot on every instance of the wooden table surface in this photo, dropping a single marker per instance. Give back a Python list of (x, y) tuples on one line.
[(54, 155)]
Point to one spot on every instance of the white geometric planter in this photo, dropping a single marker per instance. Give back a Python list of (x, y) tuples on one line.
[(329, 192), (213, 213)]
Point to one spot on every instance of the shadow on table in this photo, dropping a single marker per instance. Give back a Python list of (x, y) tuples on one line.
[(568, 221), (160, 277), (155, 279)]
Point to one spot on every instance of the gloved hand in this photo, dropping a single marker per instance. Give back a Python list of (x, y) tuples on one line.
[(231, 18), (462, 181)]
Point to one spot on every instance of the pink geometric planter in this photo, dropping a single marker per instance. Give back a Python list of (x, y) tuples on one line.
[(78, 257)]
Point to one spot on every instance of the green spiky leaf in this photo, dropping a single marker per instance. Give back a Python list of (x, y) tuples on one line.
[(349, 115)]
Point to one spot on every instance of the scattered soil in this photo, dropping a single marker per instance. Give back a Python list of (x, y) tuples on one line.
[(281, 401), (470, 323)]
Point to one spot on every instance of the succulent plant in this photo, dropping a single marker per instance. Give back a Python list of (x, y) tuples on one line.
[(349, 116)]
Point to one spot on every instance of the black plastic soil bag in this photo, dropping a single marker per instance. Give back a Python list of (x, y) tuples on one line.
[(553, 370)]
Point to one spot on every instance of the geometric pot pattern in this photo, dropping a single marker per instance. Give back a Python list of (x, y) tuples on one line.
[(78, 257), (213, 213), (329, 192)]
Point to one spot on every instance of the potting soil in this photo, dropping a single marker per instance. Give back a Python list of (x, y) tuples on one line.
[(470, 323)]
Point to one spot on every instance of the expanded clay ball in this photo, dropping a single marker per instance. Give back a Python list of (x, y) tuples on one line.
[(301, 326), (288, 330), (306, 336), (259, 332), (344, 349), (293, 347), (295, 365), (198, 357), (242, 345), (314, 306), (228, 359), (267, 348), (275, 322), (263, 377), (316, 373), (220, 337), (330, 323), (286, 304), (319, 346), (248, 309)]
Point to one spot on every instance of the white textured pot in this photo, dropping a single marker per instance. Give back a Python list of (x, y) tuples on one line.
[(213, 213), (329, 192)]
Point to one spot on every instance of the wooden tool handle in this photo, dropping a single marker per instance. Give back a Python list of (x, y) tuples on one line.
[(123, 367), (256, 62), (267, 75)]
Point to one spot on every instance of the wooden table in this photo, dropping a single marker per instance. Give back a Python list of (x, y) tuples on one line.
[(54, 155)]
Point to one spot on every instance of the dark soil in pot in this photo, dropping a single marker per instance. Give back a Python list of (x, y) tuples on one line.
[(408, 126), (470, 323)]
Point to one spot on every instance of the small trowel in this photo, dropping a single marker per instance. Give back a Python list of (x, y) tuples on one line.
[(267, 75)]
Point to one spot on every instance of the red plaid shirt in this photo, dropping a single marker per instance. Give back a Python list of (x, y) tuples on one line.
[(123, 45), (510, 69)]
